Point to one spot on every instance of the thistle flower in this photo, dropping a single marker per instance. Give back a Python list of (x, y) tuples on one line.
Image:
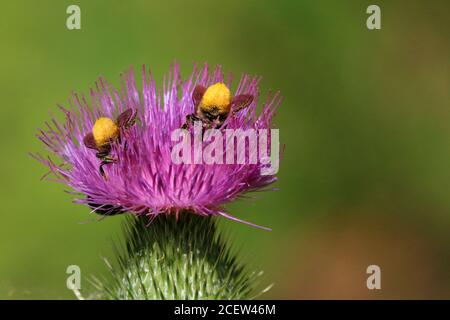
[(138, 174), (119, 155)]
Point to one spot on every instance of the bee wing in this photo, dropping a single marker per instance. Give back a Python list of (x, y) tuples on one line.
[(197, 95), (126, 118), (89, 141), (240, 102)]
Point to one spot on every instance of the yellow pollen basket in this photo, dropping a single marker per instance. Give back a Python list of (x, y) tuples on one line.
[(218, 95), (104, 130)]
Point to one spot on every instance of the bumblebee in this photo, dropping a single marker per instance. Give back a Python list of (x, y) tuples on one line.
[(214, 104), (104, 132), (105, 209)]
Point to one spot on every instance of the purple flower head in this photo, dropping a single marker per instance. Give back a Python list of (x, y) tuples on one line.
[(124, 162)]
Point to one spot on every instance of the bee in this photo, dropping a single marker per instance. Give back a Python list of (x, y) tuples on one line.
[(104, 132), (105, 209), (214, 104)]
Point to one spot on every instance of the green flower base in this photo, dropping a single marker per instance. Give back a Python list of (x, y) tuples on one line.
[(170, 258)]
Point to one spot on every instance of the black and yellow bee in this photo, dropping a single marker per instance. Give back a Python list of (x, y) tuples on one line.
[(214, 104), (104, 132)]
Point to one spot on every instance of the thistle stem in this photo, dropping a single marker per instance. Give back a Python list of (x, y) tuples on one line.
[(177, 258)]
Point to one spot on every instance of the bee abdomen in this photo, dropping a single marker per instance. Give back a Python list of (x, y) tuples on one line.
[(105, 209)]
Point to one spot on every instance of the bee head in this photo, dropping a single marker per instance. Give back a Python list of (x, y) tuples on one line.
[(104, 131), (216, 99)]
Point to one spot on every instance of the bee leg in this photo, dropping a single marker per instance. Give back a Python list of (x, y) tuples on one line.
[(217, 123), (105, 161), (190, 118), (188, 122)]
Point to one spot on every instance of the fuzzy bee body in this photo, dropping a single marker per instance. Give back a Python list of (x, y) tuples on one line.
[(214, 104), (104, 132)]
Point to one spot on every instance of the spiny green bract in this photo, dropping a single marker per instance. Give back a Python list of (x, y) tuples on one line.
[(169, 258)]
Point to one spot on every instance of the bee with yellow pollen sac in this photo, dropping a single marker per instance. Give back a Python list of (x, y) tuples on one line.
[(104, 132), (214, 104)]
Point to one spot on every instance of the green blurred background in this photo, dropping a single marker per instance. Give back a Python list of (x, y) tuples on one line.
[(365, 119)]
